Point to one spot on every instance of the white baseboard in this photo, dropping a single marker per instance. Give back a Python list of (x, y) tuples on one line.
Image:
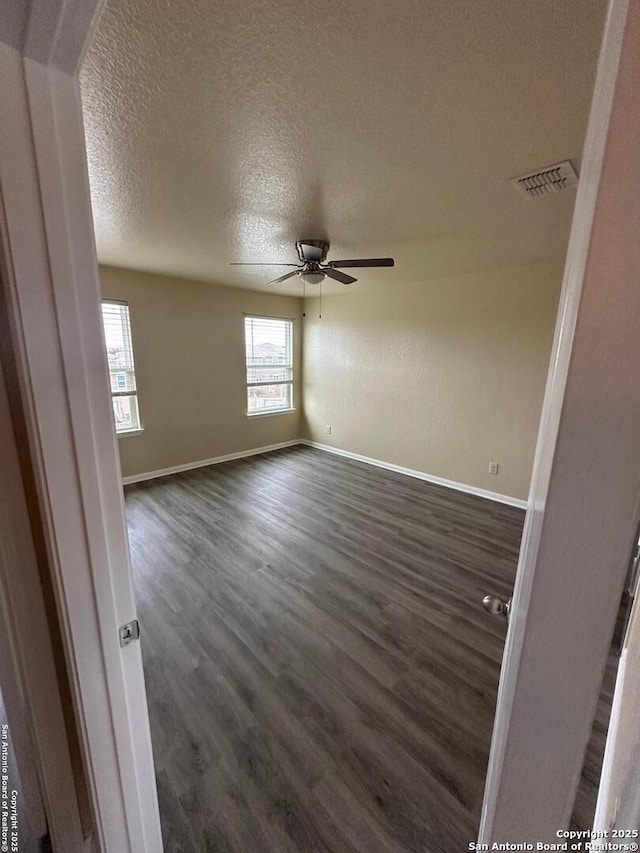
[(368, 460), (420, 475), (176, 469)]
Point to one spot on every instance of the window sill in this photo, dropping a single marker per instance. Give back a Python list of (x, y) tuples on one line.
[(269, 414), (126, 432)]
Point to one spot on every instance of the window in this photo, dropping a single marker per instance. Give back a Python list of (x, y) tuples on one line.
[(269, 349), (117, 333)]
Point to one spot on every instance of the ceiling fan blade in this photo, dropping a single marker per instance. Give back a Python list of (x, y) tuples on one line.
[(240, 264), (364, 262), (339, 276), (283, 277)]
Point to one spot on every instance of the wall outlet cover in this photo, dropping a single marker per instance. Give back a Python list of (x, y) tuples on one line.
[(493, 467)]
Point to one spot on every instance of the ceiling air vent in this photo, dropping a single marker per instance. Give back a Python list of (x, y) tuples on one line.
[(546, 181)]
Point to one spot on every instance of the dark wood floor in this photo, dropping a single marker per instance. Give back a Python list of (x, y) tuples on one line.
[(320, 671), (584, 807)]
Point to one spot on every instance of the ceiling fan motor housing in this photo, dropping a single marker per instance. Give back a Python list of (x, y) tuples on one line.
[(314, 251)]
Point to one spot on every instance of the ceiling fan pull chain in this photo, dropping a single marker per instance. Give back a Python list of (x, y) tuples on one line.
[(304, 297), (320, 308)]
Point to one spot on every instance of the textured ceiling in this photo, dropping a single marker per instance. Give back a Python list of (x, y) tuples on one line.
[(224, 131)]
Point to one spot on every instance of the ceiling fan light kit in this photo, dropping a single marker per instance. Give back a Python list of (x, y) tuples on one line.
[(314, 267), (312, 277)]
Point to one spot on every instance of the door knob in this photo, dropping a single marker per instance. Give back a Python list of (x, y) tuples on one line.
[(496, 606)]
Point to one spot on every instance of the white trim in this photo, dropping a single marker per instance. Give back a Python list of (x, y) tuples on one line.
[(125, 432), (53, 308), (368, 460), (203, 463), (267, 316), (545, 617), (252, 415), (420, 475)]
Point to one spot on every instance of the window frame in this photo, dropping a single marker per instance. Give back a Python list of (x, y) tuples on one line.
[(139, 429), (270, 412)]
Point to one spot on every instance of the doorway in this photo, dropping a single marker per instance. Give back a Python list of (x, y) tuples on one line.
[(521, 810)]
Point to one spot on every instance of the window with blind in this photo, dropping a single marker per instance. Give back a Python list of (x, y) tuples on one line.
[(122, 376), (269, 354)]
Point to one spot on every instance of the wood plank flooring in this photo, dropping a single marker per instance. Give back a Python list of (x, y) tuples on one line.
[(584, 807), (321, 673)]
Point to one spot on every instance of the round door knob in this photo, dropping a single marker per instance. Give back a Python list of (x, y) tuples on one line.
[(496, 606)]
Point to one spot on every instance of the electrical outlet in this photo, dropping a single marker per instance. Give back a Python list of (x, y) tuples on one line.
[(493, 467), (327, 429)]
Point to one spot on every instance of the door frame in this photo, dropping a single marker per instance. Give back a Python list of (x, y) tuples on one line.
[(29, 680), (584, 500), (52, 297), (53, 290)]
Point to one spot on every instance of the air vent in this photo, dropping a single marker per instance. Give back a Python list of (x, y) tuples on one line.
[(551, 179)]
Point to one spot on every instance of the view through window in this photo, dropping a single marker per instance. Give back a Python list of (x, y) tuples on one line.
[(269, 352), (117, 333)]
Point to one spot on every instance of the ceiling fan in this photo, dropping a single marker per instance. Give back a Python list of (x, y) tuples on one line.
[(313, 266)]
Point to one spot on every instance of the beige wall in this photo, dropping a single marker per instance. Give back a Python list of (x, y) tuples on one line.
[(441, 376), (188, 340)]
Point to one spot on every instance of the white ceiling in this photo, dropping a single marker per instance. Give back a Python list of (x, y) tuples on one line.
[(224, 131)]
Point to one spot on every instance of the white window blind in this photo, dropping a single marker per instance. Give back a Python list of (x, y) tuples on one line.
[(122, 376), (269, 353)]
